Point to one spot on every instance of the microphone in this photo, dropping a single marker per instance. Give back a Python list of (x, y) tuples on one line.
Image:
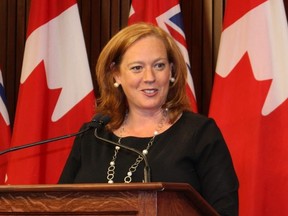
[(103, 121), (97, 122)]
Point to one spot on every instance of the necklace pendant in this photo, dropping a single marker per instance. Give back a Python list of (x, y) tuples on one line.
[(127, 179)]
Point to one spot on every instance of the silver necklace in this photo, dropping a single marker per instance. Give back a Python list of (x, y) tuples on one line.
[(139, 159)]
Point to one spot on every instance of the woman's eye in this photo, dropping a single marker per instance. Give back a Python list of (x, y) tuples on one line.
[(137, 68), (159, 66)]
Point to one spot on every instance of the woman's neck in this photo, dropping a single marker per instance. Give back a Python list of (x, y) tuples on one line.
[(144, 124)]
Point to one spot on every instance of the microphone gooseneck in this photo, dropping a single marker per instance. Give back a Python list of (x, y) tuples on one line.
[(103, 121), (95, 123), (42, 142)]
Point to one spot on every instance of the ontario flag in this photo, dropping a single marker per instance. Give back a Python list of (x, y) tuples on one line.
[(5, 132), (167, 15), (56, 93), (249, 102)]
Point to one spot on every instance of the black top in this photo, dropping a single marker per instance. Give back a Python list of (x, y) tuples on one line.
[(191, 151)]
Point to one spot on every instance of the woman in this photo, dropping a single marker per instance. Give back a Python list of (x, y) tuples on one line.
[(142, 75)]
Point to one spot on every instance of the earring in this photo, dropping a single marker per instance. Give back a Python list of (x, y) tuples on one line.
[(116, 85), (172, 79)]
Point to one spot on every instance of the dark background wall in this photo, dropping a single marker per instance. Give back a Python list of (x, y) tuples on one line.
[(101, 19)]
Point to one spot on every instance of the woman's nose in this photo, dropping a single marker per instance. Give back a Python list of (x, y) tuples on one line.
[(149, 75)]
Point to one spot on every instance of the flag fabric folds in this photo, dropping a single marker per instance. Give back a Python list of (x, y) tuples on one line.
[(56, 93), (249, 102), (5, 133), (167, 15)]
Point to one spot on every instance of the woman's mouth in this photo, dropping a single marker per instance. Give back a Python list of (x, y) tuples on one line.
[(150, 91)]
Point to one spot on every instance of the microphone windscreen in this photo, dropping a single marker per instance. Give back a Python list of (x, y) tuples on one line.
[(104, 120), (99, 121)]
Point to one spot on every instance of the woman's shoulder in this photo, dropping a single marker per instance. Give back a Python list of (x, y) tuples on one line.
[(195, 122), (195, 118)]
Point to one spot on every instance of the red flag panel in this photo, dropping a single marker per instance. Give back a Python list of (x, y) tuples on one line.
[(249, 102), (56, 92)]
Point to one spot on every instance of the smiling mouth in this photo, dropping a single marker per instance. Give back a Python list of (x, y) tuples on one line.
[(150, 91)]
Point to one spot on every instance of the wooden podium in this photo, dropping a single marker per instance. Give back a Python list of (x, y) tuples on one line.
[(150, 199)]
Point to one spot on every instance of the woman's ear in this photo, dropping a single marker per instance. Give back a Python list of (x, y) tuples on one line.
[(115, 72), (117, 82), (116, 76)]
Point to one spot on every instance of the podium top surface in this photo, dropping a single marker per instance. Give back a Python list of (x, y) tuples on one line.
[(158, 186)]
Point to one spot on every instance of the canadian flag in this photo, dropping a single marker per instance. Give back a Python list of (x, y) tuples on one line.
[(249, 102), (167, 15), (5, 133), (56, 93)]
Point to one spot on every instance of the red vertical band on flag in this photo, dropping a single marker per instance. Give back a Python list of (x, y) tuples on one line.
[(56, 93), (249, 102)]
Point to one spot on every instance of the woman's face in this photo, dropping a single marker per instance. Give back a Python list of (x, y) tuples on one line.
[(145, 73)]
